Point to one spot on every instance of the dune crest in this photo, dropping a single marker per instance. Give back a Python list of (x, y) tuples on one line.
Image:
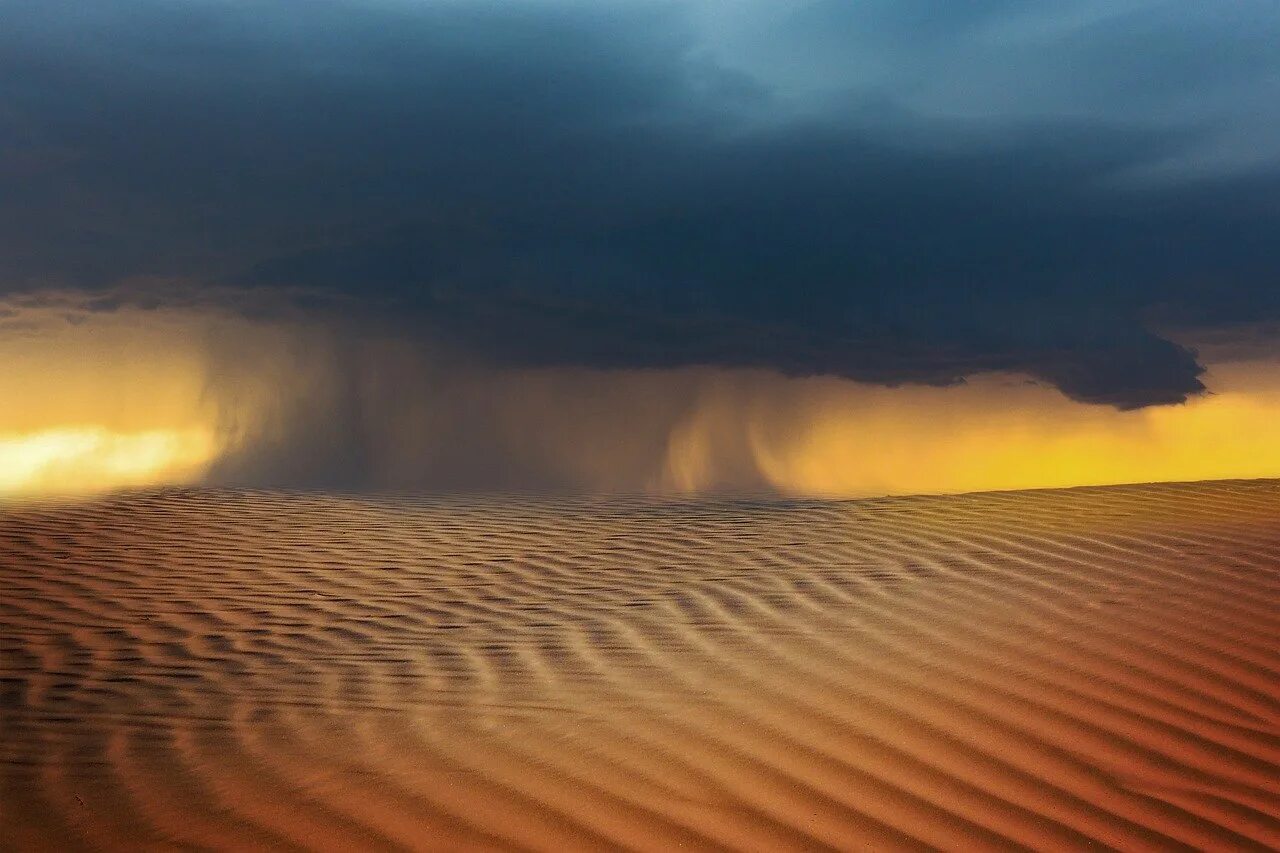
[(243, 669)]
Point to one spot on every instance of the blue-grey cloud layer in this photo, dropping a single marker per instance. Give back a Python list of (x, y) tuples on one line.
[(888, 191)]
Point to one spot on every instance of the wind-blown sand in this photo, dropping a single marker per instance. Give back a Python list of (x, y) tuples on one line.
[(257, 670)]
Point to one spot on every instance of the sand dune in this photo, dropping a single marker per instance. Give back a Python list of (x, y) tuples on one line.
[(243, 670)]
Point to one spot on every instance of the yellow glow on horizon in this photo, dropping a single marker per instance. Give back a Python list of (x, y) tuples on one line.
[(987, 437), (104, 401), (81, 460)]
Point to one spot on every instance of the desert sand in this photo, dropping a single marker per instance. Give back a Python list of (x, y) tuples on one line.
[(1057, 670)]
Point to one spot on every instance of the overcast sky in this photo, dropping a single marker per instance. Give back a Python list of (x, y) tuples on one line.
[(889, 191)]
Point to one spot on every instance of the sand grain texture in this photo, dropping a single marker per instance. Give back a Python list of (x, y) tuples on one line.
[(253, 670)]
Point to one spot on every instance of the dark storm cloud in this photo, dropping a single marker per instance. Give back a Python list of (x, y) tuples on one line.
[(891, 192)]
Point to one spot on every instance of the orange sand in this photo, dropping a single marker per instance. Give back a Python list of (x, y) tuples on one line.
[(1054, 670)]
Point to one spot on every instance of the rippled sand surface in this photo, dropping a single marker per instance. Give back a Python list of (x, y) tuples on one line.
[(251, 670)]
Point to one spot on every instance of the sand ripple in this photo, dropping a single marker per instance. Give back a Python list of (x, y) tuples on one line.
[(1052, 670)]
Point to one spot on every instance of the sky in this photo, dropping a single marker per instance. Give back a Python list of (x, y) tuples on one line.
[(814, 247)]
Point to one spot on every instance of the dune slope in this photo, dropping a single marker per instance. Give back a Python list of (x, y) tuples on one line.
[(1054, 670)]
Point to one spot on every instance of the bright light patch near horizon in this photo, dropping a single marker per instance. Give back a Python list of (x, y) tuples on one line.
[(97, 401), (83, 460), (987, 437)]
